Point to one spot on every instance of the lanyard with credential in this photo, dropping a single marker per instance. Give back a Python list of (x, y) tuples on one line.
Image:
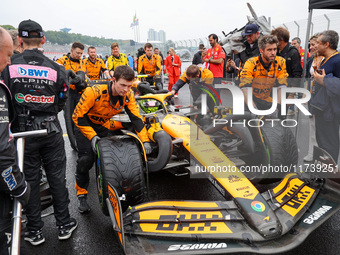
[(325, 60)]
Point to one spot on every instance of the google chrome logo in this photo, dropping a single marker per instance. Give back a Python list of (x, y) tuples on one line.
[(258, 206)]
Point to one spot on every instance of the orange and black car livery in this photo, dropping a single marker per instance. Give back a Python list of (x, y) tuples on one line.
[(150, 66), (94, 69), (262, 80), (95, 108), (74, 65)]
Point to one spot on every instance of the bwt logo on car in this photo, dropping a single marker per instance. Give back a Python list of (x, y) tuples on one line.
[(32, 72), (34, 99)]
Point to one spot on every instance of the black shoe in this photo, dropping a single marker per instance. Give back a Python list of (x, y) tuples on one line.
[(83, 206), (34, 237), (66, 230)]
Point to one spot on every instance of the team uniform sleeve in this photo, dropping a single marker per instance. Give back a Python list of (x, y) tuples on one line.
[(103, 66), (132, 110), (60, 61), (140, 65), (247, 75), (126, 61), (158, 66), (12, 181), (282, 75), (221, 54), (84, 105), (110, 63), (207, 76), (332, 82), (179, 84), (179, 62), (62, 95)]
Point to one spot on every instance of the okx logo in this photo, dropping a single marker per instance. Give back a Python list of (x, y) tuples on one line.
[(34, 99), (32, 72)]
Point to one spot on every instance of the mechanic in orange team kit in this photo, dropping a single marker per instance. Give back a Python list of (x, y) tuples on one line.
[(264, 72), (95, 66), (92, 116), (72, 61), (150, 64)]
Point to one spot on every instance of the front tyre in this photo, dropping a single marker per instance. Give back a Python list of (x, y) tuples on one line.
[(277, 154), (119, 163)]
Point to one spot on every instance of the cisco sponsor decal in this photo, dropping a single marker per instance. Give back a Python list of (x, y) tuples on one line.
[(197, 246), (258, 206), (317, 214), (34, 99)]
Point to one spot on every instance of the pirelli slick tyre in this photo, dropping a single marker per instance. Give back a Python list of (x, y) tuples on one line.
[(278, 154), (68, 111), (119, 163)]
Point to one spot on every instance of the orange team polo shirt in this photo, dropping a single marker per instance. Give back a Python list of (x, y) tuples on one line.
[(217, 69)]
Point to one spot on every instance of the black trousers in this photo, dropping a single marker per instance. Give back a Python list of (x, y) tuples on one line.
[(86, 157), (50, 151), (327, 135)]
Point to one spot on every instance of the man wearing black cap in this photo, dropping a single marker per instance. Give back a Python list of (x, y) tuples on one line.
[(39, 87), (251, 32)]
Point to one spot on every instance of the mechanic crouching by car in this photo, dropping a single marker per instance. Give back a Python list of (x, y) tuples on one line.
[(39, 87), (12, 181), (92, 117)]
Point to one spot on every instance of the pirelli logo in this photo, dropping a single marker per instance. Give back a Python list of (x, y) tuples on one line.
[(178, 224)]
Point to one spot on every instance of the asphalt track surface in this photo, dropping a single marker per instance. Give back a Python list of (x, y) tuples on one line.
[(95, 235)]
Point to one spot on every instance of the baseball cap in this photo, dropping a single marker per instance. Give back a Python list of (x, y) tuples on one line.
[(27, 26), (250, 29)]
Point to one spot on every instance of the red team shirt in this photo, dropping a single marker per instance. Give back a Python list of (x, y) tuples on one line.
[(302, 54), (217, 69)]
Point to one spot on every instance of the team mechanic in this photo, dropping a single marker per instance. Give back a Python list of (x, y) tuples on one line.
[(92, 116), (40, 89), (12, 181), (264, 72), (150, 64), (194, 76), (94, 66), (72, 61)]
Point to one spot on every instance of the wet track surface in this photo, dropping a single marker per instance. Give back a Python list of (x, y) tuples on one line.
[(95, 235)]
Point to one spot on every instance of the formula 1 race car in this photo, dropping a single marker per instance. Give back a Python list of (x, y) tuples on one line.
[(273, 221)]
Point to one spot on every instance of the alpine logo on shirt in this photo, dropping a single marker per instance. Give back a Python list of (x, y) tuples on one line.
[(34, 99)]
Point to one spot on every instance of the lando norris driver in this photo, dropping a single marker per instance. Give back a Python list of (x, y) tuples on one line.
[(93, 118)]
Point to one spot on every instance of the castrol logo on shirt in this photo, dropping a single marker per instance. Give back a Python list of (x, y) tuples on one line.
[(34, 99)]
